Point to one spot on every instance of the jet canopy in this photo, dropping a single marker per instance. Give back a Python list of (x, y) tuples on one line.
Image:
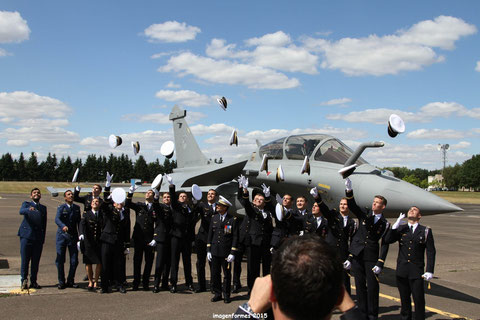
[(318, 147)]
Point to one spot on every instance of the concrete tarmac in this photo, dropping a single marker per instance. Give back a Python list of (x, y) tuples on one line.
[(454, 293)]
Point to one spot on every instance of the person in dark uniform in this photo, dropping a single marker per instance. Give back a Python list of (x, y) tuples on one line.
[(143, 230), (87, 202), (316, 223), (413, 239), (364, 257), (90, 231), (221, 246), (182, 235), (341, 228), (161, 236), (260, 229), (283, 221), (204, 213), (237, 263), (67, 219), (32, 236), (115, 239)]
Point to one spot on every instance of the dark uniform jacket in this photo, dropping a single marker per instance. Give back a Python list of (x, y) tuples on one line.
[(339, 235), (163, 222), (203, 212), (86, 200), (115, 229), (368, 234), (259, 228), (312, 227), (411, 253), (222, 236), (91, 228), (145, 218), (182, 218), (69, 217), (34, 224)]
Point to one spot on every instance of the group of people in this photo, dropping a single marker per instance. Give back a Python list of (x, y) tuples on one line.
[(102, 234)]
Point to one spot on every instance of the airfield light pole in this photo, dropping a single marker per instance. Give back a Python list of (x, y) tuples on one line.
[(443, 148)]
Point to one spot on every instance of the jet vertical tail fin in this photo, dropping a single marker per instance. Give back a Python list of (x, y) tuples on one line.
[(188, 153)]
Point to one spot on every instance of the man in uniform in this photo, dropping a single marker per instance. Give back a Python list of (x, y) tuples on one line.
[(316, 223), (413, 240), (163, 226), (364, 258), (259, 235), (67, 219), (32, 236), (221, 246), (182, 235), (143, 230), (287, 222), (341, 228), (204, 213)]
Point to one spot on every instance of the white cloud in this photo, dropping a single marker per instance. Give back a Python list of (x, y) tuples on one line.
[(227, 72), (436, 134), (277, 39), (61, 147), (17, 143), (461, 145), (185, 97), (171, 31), (162, 118), (13, 28), (407, 50), (425, 114), (171, 84), (27, 105), (334, 102), (215, 128), (477, 68), (40, 134), (4, 53)]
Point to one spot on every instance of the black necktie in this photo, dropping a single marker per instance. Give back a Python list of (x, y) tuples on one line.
[(411, 229)]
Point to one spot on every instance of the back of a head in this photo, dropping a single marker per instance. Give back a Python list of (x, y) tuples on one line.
[(307, 278)]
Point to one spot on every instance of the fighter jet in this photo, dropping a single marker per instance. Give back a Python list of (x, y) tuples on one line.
[(325, 154)]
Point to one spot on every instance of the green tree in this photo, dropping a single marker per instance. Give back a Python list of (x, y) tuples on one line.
[(7, 168), (21, 168), (140, 169), (32, 168)]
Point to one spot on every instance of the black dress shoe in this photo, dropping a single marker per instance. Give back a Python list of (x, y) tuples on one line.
[(200, 290), (190, 287), (24, 285), (236, 288), (122, 289), (135, 287), (216, 298), (227, 300), (145, 287), (156, 289), (104, 290), (35, 285), (90, 288), (61, 286), (173, 289), (72, 285)]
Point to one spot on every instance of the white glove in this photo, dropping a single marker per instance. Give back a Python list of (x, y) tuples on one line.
[(169, 179), (245, 182), (127, 251), (81, 237), (271, 250), (240, 180), (399, 219), (427, 276), (132, 188), (152, 243), (301, 233), (278, 212), (347, 265), (157, 193), (230, 258), (78, 188), (348, 184), (78, 245), (377, 270), (314, 192), (209, 256), (109, 179), (266, 190)]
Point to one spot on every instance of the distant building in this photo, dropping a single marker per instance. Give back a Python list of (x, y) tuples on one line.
[(435, 182)]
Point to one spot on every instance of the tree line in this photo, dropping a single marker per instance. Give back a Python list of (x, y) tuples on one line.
[(93, 169), (466, 175)]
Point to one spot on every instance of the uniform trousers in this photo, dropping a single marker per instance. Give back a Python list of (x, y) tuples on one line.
[(30, 251), (60, 261), (183, 246), (201, 248), (162, 263), (141, 249), (414, 287), (255, 256), (367, 287), (237, 265), (219, 263), (113, 264)]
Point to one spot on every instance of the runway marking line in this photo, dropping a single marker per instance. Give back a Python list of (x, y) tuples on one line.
[(437, 311)]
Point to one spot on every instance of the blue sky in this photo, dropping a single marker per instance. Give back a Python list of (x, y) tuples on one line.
[(72, 73)]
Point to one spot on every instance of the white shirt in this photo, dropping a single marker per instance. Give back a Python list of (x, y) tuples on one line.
[(413, 225), (222, 217), (345, 219), (319, 221), (377, 217)]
